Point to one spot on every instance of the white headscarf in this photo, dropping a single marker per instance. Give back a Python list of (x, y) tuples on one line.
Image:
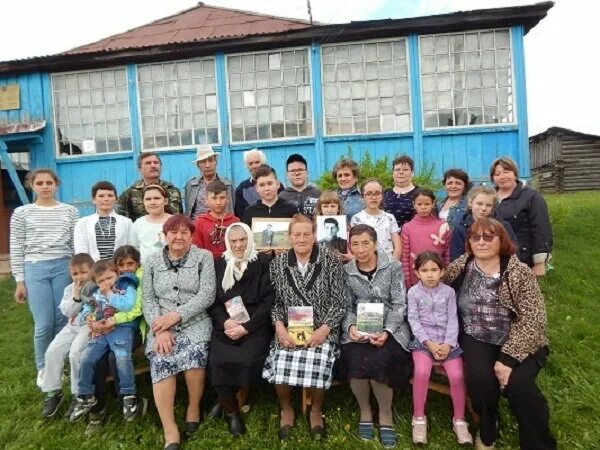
[(232, 271)]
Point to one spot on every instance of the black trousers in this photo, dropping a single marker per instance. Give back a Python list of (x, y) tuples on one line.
[(525, 399)]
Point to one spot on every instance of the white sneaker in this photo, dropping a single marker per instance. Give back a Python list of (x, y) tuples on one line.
[(461, 430), (419, 430), (40, 378)]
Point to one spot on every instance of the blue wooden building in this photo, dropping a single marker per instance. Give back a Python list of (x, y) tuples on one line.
[(448, 89)]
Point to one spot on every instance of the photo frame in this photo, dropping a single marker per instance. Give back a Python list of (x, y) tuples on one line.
[(271, 233), (333, 232)]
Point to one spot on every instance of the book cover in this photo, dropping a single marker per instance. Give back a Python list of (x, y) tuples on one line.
[(236, 309), (369, 318), (300, 324)]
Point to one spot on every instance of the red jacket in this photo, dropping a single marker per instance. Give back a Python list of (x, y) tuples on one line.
[(210, 232)]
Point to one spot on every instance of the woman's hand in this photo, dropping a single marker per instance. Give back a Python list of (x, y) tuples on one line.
[(355, 335), (502, 373), (20, 292), (539, 269), (103, 326), (230, 323), (318, 336), (378, 339), (165, 322), (283, 336), (236, 333), (164, 342), (442, 352)]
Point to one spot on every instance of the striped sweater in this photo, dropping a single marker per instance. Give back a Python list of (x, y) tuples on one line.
[(40, 233)]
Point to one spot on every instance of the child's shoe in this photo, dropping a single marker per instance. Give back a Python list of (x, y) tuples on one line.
[(71, 406), (479, 445), (82, 407), (419, 430), (96, 422), (134, 406), (387, 436), (461, 430), (51, 403)]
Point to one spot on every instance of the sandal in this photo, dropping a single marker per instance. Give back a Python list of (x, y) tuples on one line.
[(387, 435), (366, 431)]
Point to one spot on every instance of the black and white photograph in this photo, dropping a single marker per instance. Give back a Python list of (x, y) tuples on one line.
[(333, 231)]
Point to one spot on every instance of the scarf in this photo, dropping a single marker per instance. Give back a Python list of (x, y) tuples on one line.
[(232, 272)]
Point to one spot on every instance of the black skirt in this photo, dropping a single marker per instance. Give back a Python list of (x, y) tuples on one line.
[(390, 364), (238, 364)]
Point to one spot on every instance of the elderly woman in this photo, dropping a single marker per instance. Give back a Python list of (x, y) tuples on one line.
[(527, 212), (504, 338), (178, 287), (377, 362), (345, 173), (452, 207), (310, 276), (242, 333)]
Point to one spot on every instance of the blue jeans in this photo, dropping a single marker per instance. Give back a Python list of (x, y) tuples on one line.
[(45, 282), (120, 342)]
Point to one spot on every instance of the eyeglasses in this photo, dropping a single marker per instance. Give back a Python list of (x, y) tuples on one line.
[(373, 194), (297, 171), (487, 237)]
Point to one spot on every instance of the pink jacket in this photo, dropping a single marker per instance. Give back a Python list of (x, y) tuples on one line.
[(419, 235)]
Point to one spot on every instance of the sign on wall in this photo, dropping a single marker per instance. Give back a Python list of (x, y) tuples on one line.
[(9, 97)]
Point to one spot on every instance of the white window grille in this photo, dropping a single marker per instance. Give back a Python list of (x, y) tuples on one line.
[(91, 112), (366, 87), (178, 104), (269, 95), (466, 79)]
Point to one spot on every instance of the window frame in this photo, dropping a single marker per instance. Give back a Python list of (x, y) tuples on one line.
[(463, 128), (55, 124), (410, 129), (311, 90), (141, 116)]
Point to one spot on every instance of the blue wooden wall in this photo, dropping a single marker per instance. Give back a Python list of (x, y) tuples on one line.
[(472, 149)]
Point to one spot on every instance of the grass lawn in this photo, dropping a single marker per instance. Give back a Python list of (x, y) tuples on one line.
[(571, 379)]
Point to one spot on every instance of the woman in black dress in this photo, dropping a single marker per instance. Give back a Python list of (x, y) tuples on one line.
[(240, 342)]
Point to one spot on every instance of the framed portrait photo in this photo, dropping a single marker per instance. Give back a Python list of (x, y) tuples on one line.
[(333, 231), (271, 234)]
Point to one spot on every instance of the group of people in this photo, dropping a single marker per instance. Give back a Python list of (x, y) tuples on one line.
[(456, 278)]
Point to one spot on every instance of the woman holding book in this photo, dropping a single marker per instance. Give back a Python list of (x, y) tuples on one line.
[(241, 321), (375, 333), (307, 312)]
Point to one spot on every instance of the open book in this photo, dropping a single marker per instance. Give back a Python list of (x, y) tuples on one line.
[(369, 318), (300, 324), (236, 310)]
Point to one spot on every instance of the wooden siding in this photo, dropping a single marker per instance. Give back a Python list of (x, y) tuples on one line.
[(31, 98), (566, 162)]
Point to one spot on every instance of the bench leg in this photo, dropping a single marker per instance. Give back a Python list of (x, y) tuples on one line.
[(306, 400)]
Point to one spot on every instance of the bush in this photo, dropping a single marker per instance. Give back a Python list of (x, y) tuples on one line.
[(382, 170)]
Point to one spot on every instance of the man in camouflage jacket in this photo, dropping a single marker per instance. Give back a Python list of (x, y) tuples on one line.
[(131, 202)]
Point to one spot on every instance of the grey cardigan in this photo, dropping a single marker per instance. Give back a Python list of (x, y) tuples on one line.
[(189, 290), (190, 192), (387, 287)]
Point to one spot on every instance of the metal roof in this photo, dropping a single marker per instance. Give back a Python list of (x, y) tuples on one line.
[(204, 30)]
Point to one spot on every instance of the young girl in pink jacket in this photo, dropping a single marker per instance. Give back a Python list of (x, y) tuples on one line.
[(425, 232)]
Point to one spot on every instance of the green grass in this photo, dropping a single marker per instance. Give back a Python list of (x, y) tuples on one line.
[(571, 379)]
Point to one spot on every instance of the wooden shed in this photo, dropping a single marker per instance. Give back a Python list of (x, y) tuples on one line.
[(565, 160)]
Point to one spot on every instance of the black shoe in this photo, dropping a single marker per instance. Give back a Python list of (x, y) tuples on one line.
[(172, 446), (215, 411), (191, 427), (285, 432), (96, 422), (71, 406), (236, 424), (317, 433), (82, 407), (133, 407), (51, 404)]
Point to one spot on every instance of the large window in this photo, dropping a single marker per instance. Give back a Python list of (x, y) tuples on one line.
[(466, 79), (91, 112), (178, 104), (365, 87), (269, 95)]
